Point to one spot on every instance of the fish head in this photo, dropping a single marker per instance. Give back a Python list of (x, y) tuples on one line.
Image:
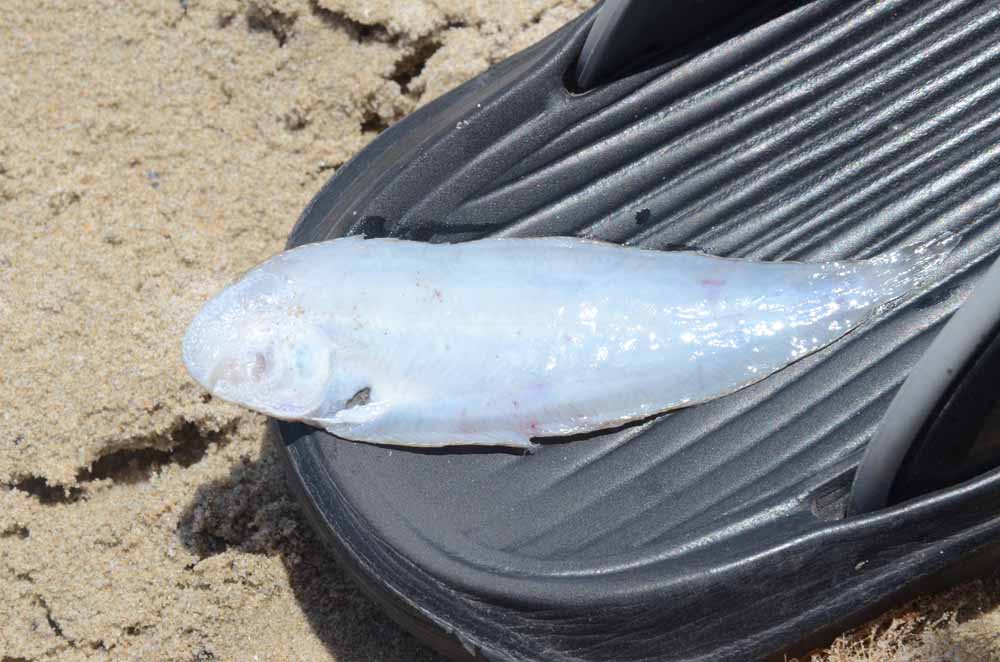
[(253, 345)]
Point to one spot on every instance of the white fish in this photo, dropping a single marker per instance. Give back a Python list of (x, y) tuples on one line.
[(497, 341)]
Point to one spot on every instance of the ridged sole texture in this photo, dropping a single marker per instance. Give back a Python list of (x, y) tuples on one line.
[(825, 130)]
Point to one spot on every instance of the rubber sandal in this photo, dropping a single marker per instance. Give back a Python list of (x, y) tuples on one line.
[(762, 523)]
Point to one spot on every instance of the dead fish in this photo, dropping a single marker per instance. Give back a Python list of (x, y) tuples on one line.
[(497, 341)]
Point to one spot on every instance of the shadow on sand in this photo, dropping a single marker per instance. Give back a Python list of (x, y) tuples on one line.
[(252, 511)]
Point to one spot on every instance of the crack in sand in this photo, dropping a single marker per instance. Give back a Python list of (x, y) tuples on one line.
[(413, 62), (15, 531), (53, 623), (46, 494), (261, 17), (355, 29), (185, 443), (414, 50), (133, 461)]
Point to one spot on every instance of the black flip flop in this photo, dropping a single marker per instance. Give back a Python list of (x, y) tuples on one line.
[(742, 528)]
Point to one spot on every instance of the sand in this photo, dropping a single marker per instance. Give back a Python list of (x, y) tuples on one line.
[(149, 153)]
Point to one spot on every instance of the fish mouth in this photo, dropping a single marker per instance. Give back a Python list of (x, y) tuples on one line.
[(215, 328), (192, 361), (200, 349), (225, 373)]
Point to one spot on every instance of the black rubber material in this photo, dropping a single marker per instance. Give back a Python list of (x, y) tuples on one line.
[(626, 33), (963, 342), (961, 438), (817, 130)]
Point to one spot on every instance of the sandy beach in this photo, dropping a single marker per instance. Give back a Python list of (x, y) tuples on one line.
[(150, 153)]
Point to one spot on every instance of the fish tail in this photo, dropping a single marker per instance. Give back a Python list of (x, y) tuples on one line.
[(909, 267)]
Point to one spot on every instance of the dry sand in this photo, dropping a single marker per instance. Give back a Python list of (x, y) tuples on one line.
[(150, 152)]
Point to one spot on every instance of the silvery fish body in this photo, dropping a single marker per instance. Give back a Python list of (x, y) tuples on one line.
[(497, 341)]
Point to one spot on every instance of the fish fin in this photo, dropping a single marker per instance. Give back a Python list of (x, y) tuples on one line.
[(500, 438), (370, 423), (358, 415), (909, 267), (562, 242), (510, 439)]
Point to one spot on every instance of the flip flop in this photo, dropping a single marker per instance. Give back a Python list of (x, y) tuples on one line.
[(761, 523)]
